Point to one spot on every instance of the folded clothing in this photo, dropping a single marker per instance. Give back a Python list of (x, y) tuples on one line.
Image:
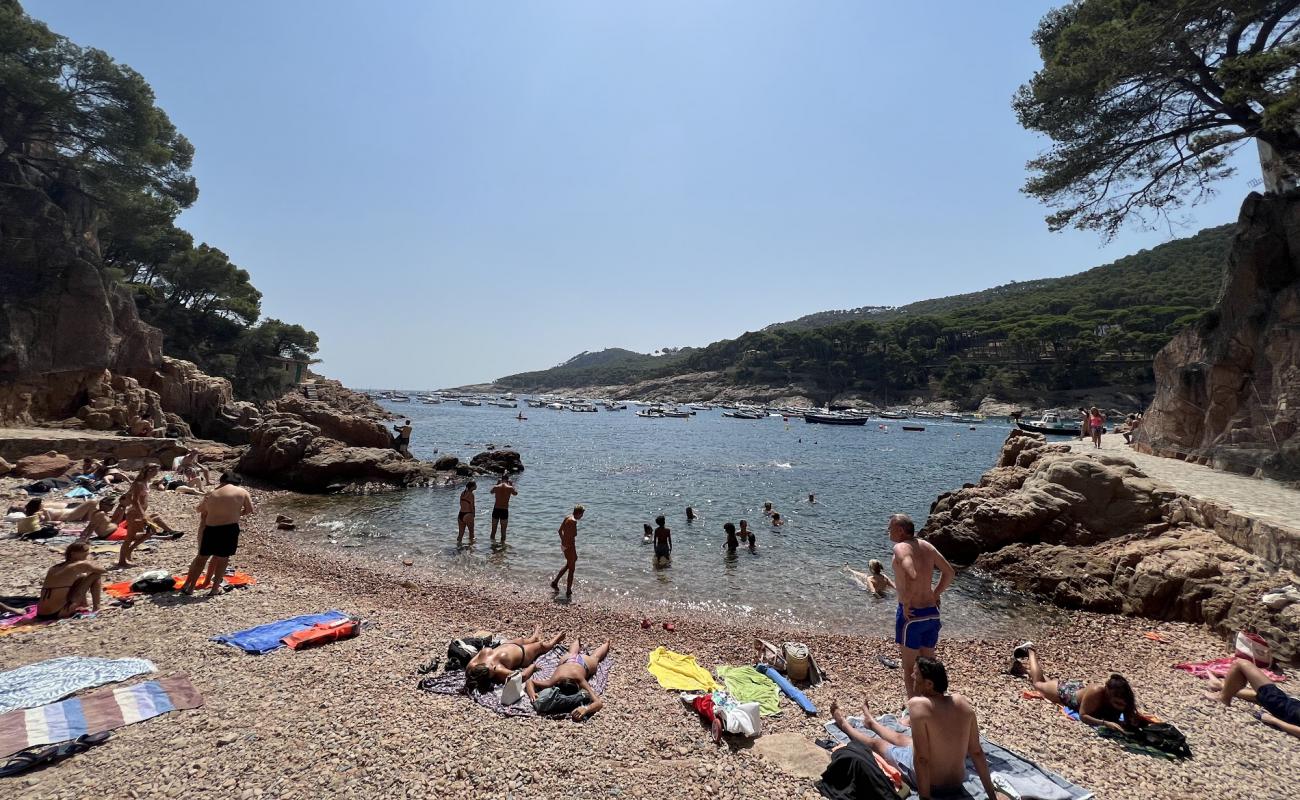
[(47, 681), (268, 637)]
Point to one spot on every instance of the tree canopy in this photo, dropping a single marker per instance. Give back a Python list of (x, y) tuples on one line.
[(82, 120), (1145, 100)]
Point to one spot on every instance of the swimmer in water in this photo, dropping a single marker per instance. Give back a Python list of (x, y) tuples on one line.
[(876, 581)]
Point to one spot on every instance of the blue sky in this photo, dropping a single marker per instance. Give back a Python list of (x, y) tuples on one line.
[(449, 192)]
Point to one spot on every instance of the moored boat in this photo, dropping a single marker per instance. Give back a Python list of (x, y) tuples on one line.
[(834, 419)]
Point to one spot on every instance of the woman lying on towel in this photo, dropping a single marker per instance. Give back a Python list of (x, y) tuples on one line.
[(493, 665), (75, 512), (1111, 705), (567, 690)]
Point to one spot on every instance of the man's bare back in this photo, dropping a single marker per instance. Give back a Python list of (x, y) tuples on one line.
[(914, 565), (503, 492), (569, 534), (943, 726), (225, 504)]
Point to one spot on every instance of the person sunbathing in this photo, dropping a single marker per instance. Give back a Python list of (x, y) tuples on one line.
[(493, 665), (108, 472), (77, 512), (944, 734), (69, 583), (1280, 710), (567, 690), (100, 525), (1111, 705)]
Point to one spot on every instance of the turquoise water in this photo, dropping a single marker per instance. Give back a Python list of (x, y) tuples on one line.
[(626, 470)]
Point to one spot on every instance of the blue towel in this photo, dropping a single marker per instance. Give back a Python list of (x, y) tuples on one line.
[(79, 492), (265, 638)]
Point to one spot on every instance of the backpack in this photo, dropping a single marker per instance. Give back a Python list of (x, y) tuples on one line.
[(1160, 736), (853, 774), (153, 582), (460, 651)]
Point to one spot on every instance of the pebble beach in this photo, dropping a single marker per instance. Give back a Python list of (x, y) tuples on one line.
[(348, 719)]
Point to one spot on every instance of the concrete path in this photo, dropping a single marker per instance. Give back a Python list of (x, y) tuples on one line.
[(1254, 497)]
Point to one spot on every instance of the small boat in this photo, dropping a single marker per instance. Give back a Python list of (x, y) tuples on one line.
[(1052, 425), (536, 403), (968, 419), (400, 398), (913, 428), (503, 403), (431, 401), (586, 408), (616, 406), (892, 415), (469, 401), (834, 419), (741, 414), (651, 413), (926, 415), (555, 406), (702, 407), (676, 413), (521, 417)]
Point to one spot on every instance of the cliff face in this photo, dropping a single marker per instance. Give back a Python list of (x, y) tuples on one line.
[(1228, 394)]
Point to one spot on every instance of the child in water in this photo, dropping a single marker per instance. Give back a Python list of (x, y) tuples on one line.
[(649, 533), (745, 534), (732, 543), (776, 520), (663, 541), (877, 582)]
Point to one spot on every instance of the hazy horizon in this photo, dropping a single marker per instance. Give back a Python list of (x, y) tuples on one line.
[(451, 193)]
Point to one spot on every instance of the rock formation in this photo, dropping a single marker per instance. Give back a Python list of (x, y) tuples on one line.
[(1091, 531), (1228, 391), (498, 462)]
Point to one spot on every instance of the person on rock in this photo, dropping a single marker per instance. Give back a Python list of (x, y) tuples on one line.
[(465, 517), (945, 732), (567, 690), (1109, 705), (569, 547), (501, 493), (402, 442), (1280, 710), (219, 513), (69, 584), (135, 506), (916, 624), (493, 665)]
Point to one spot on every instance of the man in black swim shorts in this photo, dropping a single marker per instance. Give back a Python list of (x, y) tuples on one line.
[(502, 492), (219, 513)]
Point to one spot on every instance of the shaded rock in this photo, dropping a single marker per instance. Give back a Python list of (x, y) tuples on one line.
[(446, 463), (46, 465), (285, 449), (498, 462)]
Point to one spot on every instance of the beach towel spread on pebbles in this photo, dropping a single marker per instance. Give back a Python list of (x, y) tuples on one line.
[(1026, 777), (453, 683), (101, 710), (265, 638), (47, 681)]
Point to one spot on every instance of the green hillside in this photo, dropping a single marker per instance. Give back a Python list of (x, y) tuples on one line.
[(613, 365), (1017, 341)]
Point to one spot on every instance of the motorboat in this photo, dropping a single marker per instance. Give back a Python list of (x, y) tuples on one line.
[(400, 398), (431, 401), (914, 428), (651, 413), (503, 403), (536, 403), (893, 415), (469, 401), (701, 407), (1052, 425), (834, 419), (968, 419), (926, 415), (616, 406), (676, 413), (586, 408), (743, 414)]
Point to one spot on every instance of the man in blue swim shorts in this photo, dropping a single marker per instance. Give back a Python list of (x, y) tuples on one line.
[(916, 625)]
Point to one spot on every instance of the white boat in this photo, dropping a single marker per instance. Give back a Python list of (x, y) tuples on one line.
[(503, 403), (431, 401), (535, 403), (741, 414), (469, 401), (555, 406), (893, 415), (586, 408), (651, 413), (616, 406), (400, 398), (702, 407)]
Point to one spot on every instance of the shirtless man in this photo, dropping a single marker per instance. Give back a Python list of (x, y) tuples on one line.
[(493, 665), (567, 690), (944, 733), (219, 513), (465, 517), (916, 625), (402, 443), (569, 546), (745, 534), (67, 584), (100, 525), (136, 510), (663, 541), (502, 492)]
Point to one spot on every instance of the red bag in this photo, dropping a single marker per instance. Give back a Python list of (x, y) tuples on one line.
[(323, 633)]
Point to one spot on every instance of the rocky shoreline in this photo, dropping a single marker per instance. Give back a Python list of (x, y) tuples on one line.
[(348, 718)]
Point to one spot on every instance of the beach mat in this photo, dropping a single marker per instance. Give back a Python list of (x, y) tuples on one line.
[(1014, 767), (101, 710), (1219, 668), (46, 681), (265, 638), (453, 683), (122, 589)]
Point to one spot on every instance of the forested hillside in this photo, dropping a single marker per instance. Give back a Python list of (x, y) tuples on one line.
[(1016, 341)]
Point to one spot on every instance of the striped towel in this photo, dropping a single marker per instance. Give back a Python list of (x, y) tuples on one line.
[(101, 710)]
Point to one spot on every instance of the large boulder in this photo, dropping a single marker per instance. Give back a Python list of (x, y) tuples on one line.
[(1228, 390), (498, 462), (334, 423), (291, 452), (45, 465)]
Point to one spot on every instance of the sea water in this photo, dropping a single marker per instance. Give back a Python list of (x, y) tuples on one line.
[(627, 470)]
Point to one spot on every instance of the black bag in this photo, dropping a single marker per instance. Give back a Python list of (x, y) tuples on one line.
[(854, 775), (154, 585), (1163, 737), (460, 651)]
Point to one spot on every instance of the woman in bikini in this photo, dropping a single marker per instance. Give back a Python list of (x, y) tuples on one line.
[(567, 690), (78, 512), (493, 665), (1098, 705), (136, 511)]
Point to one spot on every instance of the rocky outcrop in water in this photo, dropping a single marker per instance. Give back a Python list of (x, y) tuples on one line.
[(1228, 391), (498, 462), (1091, 531)]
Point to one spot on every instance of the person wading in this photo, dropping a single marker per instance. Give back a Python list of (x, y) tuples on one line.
[(465, 517), (569, 547), (502, 492)]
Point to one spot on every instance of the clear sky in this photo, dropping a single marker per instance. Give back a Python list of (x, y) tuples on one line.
[(448, 192)]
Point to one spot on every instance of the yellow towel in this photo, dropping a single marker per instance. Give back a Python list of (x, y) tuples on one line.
[(679, 672)]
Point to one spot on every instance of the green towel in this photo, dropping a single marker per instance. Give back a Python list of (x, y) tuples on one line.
[(748, 685)]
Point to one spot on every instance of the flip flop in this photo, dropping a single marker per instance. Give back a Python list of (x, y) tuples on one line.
[(37, 756), (892, 663)]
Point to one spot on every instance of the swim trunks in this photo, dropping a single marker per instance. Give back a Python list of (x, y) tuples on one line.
[(220, 540), (1069, 692), (662, 551), (922, 630), (1276, 702), (500, 513)]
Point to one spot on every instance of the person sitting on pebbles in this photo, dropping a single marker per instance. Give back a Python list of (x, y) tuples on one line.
[(493, 665), (1111, 705), (69, 583), (100, 525), (567, 690), (1280, 710)]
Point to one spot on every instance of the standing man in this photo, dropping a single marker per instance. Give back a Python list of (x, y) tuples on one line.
[(916, 625), (465, 517), (403, 441), (219, 513), (502, 492), (569, 546)]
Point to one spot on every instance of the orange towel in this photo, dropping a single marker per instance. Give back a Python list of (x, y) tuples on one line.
[(891, 772), (123, 588), (119, 534)]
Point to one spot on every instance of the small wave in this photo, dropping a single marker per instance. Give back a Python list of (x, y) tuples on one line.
[(780, 464), (331, 525)]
